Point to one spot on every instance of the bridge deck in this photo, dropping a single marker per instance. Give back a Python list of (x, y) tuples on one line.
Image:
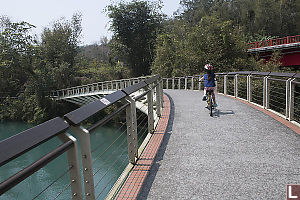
[(240, 153)]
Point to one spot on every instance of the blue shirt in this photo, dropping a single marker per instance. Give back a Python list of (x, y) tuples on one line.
[(211, 82)]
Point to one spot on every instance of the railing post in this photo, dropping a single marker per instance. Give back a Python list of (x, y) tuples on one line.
[(179, 83), (167, 83), (161, 93), (216, 89), (266, 96), (73, 163), (185, 83), (199, 83), (249, 88), (287, 98), (192, 83), (225, 84), (291, 100), (131, 122), (158, 99), (236, 89), (173, 83), (150, 111), (87, 168)]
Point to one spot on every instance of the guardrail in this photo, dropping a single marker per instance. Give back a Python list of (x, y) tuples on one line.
[(73, 122), (274, 42), (273, 91), (105, 86)]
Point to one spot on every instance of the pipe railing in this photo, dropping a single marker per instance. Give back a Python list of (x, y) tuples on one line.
[(124, 151), (273, 91)]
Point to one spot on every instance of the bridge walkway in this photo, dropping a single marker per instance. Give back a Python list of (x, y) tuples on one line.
[(240, 153)]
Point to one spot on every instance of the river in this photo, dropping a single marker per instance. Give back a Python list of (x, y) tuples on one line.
[(115, 159)]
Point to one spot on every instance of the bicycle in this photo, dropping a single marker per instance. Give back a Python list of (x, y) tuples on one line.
[(209, 102)]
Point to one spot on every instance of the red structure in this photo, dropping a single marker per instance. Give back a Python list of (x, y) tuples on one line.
[(289, 47)]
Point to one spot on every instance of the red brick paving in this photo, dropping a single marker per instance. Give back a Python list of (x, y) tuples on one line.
[(136, 178)]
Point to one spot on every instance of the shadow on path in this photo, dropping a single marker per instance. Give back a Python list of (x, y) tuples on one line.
[(160, 154), (218, 113)]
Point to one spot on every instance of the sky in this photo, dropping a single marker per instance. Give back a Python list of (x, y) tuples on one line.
[(42, 13)]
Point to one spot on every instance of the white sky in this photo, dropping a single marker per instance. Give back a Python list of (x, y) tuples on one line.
[(94, 21)]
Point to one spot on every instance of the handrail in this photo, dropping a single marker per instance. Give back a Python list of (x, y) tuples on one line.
[(259, 88), (20, 176), (79, 115), (21, 143)]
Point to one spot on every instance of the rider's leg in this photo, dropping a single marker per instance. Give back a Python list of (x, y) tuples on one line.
[(214, 98), (204, 95)]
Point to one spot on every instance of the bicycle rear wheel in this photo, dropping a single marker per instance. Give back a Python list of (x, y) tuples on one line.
[(210, 106)]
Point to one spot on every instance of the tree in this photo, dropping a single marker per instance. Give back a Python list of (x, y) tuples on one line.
[(135, 26), (58, 50), (17, 48)]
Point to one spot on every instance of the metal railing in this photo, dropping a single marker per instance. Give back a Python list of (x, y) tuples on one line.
[(105, 87), (273, 91), (274, 42), (123, 152)]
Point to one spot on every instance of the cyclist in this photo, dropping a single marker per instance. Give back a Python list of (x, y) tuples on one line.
[(209, 83)]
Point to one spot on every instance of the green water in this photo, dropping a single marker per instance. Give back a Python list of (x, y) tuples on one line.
[(108, 165)]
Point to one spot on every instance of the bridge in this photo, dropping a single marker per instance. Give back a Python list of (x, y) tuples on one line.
[(288, 46), (248, 150)]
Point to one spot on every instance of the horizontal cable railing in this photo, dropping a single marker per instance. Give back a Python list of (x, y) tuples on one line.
[(274, 91), (137, 104)]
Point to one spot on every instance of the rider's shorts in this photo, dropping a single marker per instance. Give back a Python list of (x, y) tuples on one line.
[(210, 88)]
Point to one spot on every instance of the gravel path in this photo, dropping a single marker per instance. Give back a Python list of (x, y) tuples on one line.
[(240, 153)]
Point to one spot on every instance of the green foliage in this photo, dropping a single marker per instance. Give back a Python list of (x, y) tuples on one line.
[(217, 32), (29, 70), (185, 50), (135, 26)]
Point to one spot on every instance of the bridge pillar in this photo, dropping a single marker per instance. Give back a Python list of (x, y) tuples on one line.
[(131, 122), (225, 84), (85, 149)]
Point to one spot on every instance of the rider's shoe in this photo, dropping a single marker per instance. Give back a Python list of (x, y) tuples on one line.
[(204, 98), (215, 105)]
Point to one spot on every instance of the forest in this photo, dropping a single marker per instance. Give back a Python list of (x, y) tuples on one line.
[(145, 41)]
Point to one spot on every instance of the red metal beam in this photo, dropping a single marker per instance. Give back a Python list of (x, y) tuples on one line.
[(274, 42)]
